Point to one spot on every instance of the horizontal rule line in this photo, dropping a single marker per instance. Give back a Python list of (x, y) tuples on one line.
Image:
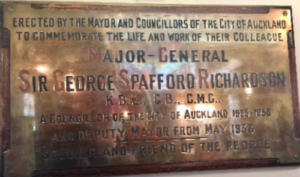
[(156, 140)]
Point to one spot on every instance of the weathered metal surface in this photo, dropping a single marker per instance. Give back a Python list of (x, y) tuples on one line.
[(223, 95)]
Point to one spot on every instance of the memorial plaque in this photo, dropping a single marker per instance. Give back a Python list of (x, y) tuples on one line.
[(95, 89)]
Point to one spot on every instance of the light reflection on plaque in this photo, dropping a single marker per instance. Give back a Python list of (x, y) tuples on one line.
[(42, 69), (29, 105)]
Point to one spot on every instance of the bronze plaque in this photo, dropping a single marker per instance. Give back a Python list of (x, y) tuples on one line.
[(93, 89)]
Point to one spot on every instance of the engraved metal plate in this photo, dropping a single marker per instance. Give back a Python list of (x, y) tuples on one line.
[(107, 89)]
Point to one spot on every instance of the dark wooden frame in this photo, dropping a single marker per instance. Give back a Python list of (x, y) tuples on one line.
[(135, 169)]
